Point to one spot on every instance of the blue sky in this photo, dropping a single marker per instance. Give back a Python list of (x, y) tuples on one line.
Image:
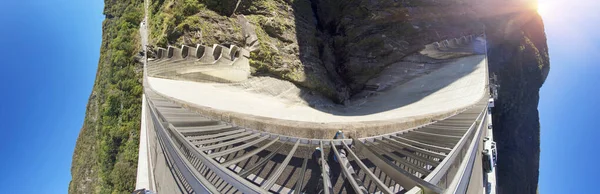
[(50, 53), (569, 103)]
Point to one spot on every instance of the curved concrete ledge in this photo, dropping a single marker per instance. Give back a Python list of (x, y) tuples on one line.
[(217, 63), (450, 48), (314, 130), (454, 87), (459, 41), (464, 40), (452, 43)]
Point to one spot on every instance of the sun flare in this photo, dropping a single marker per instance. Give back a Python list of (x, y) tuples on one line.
[(542, 9)]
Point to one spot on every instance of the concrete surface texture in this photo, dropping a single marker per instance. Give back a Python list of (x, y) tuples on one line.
[(217, 63), (452, 48), (457, 85)]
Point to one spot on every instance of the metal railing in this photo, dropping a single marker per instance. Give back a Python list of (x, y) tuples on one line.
[(194, 162), (188, 176), (461, 181), (453, 172)]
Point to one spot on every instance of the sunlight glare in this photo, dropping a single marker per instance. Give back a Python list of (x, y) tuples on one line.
[(542, 9)]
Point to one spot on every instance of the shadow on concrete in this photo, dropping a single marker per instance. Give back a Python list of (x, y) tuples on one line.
[(320, 56), (409, 92)]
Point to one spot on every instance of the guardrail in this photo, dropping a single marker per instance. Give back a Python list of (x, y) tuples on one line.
[(189, 177), (454, 171), (461, 182), (188, 161)]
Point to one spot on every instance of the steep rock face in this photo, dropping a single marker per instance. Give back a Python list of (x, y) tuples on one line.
[(518, 54), (366, 36)]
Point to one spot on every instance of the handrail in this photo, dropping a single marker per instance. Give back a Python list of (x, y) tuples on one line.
[(233, 179), (461, 183), (441, 172), (442, 169), (198, 184), (394, 172)]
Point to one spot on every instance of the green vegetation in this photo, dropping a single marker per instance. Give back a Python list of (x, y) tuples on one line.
[(105, 157), (195, 21)]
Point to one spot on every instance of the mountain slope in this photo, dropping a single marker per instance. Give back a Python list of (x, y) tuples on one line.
[(105, 156)]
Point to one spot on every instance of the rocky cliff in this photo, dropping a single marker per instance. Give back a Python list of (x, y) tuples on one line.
[(518, 55)]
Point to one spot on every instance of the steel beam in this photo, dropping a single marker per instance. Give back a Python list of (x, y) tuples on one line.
[(215, 135), (237, 148), (228, 143), (449, 137), (271, 181), (348, 172), (416, 149), (216, 140), (197, 182), (239, 183), (300, 180), (423, 145), (207, 131), (439, 172), (250, 154), (399, 159), (382, 187), (433, 126), (430, 140), (399, 175), (327, 186), (400, 149), (260, 163), (187, 122), (452, 132)]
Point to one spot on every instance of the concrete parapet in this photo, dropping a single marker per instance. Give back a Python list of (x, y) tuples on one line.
[(199, 52), (216, 63), (442, 46), (161, 53), (446, 43), (452, 43), (315, 130), (464, 40), (207, 54), (170, 51), (458, 41), (450, 48), (185, 51), (217, 50), (174, 53), (234, 52)]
